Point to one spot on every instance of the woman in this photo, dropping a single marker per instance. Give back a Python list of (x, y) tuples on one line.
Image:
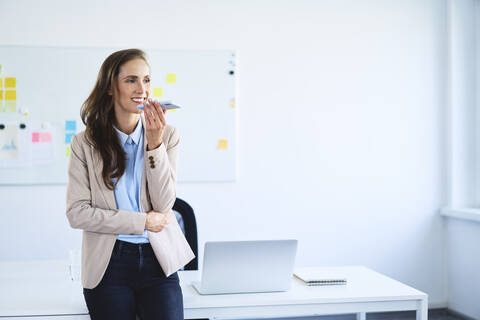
[(110, 191)]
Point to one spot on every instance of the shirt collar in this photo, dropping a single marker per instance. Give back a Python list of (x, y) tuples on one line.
[(135, 135)]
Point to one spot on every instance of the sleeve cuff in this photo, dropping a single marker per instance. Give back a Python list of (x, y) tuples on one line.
[(156, 156), (139, 222)]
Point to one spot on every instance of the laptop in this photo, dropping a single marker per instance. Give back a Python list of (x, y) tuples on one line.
[(247, 266)]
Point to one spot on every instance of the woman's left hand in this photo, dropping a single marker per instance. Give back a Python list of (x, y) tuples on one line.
[(155, 123)]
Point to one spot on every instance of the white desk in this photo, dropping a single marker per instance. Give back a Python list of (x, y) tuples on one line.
[(43, 288), (39, 288)]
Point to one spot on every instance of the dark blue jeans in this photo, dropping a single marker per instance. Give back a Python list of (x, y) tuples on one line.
[(134, 283)]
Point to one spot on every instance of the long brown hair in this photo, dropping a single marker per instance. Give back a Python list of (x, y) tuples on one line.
[(98, 115)]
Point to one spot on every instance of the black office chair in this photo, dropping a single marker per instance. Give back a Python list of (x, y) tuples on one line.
[(188, 224)]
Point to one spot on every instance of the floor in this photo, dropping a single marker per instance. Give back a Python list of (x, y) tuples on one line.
[(436, 314), (441, 314)]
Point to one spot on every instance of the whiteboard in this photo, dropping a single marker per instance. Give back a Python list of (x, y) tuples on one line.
[(51, 83)]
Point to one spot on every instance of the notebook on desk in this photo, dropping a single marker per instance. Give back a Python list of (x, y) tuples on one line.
[(247, 266), (320, 276)]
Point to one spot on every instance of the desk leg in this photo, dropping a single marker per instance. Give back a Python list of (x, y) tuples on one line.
[(361, 316), (422, 311)]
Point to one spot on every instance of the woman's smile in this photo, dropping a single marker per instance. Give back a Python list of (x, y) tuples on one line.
[(139, 99)]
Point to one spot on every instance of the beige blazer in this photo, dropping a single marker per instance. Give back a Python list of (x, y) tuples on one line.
[(91, 205)]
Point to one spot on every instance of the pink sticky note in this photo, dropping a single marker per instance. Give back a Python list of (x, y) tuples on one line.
[(45, 137), (35, 137)]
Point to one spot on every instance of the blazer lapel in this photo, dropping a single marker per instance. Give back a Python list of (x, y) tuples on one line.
[(143, 191), (107, 194)]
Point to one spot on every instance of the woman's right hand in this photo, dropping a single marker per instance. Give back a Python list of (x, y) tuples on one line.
[(156, 221)]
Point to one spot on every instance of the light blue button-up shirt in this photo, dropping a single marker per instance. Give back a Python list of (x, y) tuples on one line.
[(127, 190)]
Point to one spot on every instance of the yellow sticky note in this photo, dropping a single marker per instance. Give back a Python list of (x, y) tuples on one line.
[(10, 95), (222, 144), (10, 82), (10, 106), (158, 92), (1, 95), (171, 78), (67, 151), (1, 82)]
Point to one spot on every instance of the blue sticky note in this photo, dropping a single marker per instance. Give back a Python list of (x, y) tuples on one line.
[(70, 125), (68, 137)]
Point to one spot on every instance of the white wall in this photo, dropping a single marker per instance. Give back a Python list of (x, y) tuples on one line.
[(462, 236), (341, 125), (462, 69)]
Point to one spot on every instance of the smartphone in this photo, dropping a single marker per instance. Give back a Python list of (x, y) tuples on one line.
[(166, 105)]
